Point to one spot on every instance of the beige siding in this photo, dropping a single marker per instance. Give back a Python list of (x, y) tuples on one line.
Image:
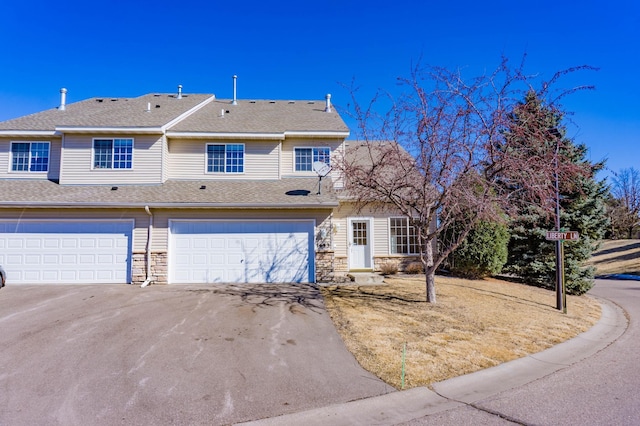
[(141, 219), (77, 158), (187, 160), (380, 217), (288, 156), (54, 159)]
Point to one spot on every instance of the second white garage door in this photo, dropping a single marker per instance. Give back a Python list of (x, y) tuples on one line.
[(241, 251)]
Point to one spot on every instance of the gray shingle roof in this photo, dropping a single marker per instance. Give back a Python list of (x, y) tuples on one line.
[(262, 117), (283, 193), (110, 112), (245, 117)]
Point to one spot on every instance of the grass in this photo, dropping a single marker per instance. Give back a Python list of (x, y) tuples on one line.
[(617, 257), (474, 325)]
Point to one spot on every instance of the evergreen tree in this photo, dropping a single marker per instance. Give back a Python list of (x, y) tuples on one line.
[(582, 207), (482, 253)]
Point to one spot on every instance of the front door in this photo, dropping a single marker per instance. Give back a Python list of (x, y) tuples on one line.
[(360, 244)]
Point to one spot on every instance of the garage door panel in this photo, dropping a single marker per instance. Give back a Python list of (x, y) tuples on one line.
[(67, 251), (255, 251)]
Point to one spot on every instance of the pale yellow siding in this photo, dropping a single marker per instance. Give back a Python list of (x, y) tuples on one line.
[(187, 159), (54, 159), (288, 156), (77, 158)]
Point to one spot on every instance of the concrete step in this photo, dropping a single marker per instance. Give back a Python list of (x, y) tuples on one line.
[(364, 278)]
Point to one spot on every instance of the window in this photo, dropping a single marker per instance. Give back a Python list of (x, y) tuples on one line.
[(403, 237), (30, 156), (305, 157), (225, 158), (113, 153)]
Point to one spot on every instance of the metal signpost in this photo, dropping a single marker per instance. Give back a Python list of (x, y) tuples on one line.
[(560, 237)]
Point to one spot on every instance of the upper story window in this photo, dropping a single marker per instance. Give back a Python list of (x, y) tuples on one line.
[(113, 153), (29, 156), (404, 239), (225, 158), (305, 157)]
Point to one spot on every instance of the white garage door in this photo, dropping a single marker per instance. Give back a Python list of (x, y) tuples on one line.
[(66, 252), (241, 252)]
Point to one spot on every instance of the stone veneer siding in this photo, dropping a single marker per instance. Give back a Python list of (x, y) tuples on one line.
[(158, 268), (325, 266)]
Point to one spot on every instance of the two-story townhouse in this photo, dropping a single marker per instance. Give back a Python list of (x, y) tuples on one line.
[(177, 188)]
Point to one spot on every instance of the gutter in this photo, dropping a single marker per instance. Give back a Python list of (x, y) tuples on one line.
[(31, 204), (147, 281)]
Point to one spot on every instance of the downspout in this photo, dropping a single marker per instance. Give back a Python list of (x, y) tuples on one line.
[(148, 248)]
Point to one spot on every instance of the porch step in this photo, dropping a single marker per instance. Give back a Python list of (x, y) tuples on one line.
[(364, 278)]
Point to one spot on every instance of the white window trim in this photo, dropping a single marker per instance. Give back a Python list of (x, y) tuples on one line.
[(29, 168), (112, 139), (293, 162), (406, 219), (206, 158)]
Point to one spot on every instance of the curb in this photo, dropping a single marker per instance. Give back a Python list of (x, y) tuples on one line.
[(404, 406)]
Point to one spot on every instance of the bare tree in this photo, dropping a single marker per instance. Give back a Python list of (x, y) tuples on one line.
[(449, 158), (625, 189)]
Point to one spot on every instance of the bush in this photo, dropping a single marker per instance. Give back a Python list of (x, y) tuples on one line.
[(414, 268), (389, 268), (483, 253)]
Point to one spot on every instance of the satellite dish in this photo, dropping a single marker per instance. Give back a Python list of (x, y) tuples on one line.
[(322, 169)]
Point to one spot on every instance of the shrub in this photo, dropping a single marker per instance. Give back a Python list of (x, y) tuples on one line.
[(389, 268), (483, 253), (414, 268)]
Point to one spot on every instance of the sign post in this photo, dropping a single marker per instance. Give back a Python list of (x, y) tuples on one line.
[(560, 237)]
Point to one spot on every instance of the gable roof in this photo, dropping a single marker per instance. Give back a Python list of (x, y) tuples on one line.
[(194, 115), (130, 113), (262, 116), (283, 193)]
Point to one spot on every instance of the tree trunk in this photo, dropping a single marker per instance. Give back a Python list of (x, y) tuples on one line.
[(430, 273)]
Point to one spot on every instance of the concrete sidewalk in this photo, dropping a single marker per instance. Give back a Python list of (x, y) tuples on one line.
[(417, 403)]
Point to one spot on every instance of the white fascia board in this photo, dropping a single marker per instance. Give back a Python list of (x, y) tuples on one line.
[(36, 133), (314, 134), (218, 135), (321, 205), (188, 113), (123, 130)]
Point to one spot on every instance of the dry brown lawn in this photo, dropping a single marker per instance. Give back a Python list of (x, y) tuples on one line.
[(474, 325), (617, 257)]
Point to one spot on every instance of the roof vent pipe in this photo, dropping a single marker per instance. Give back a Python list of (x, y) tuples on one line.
[(235, 99), (63, 99), (179, 91), (327, 108)]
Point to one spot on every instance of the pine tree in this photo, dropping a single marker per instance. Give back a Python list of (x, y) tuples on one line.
[(582, 207)]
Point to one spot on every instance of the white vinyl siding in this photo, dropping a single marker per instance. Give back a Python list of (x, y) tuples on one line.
[(187, 159), (6, 160), (79, 160)]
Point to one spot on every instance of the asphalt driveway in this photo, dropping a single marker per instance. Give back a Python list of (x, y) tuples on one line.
[(118, 354)]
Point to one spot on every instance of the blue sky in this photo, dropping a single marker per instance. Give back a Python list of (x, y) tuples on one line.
[(305, 49)]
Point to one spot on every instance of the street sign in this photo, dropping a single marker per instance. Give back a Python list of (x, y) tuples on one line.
[(563, 235)]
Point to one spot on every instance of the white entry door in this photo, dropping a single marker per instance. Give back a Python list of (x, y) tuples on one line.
[(360, 244)]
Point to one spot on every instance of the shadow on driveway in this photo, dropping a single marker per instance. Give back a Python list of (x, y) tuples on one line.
[(118, 354)]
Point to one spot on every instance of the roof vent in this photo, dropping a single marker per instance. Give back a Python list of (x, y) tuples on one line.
[(203, 186), (114, 188), (148, 107), (179, 91), (63, 99), (327, 107), (235, 98)]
